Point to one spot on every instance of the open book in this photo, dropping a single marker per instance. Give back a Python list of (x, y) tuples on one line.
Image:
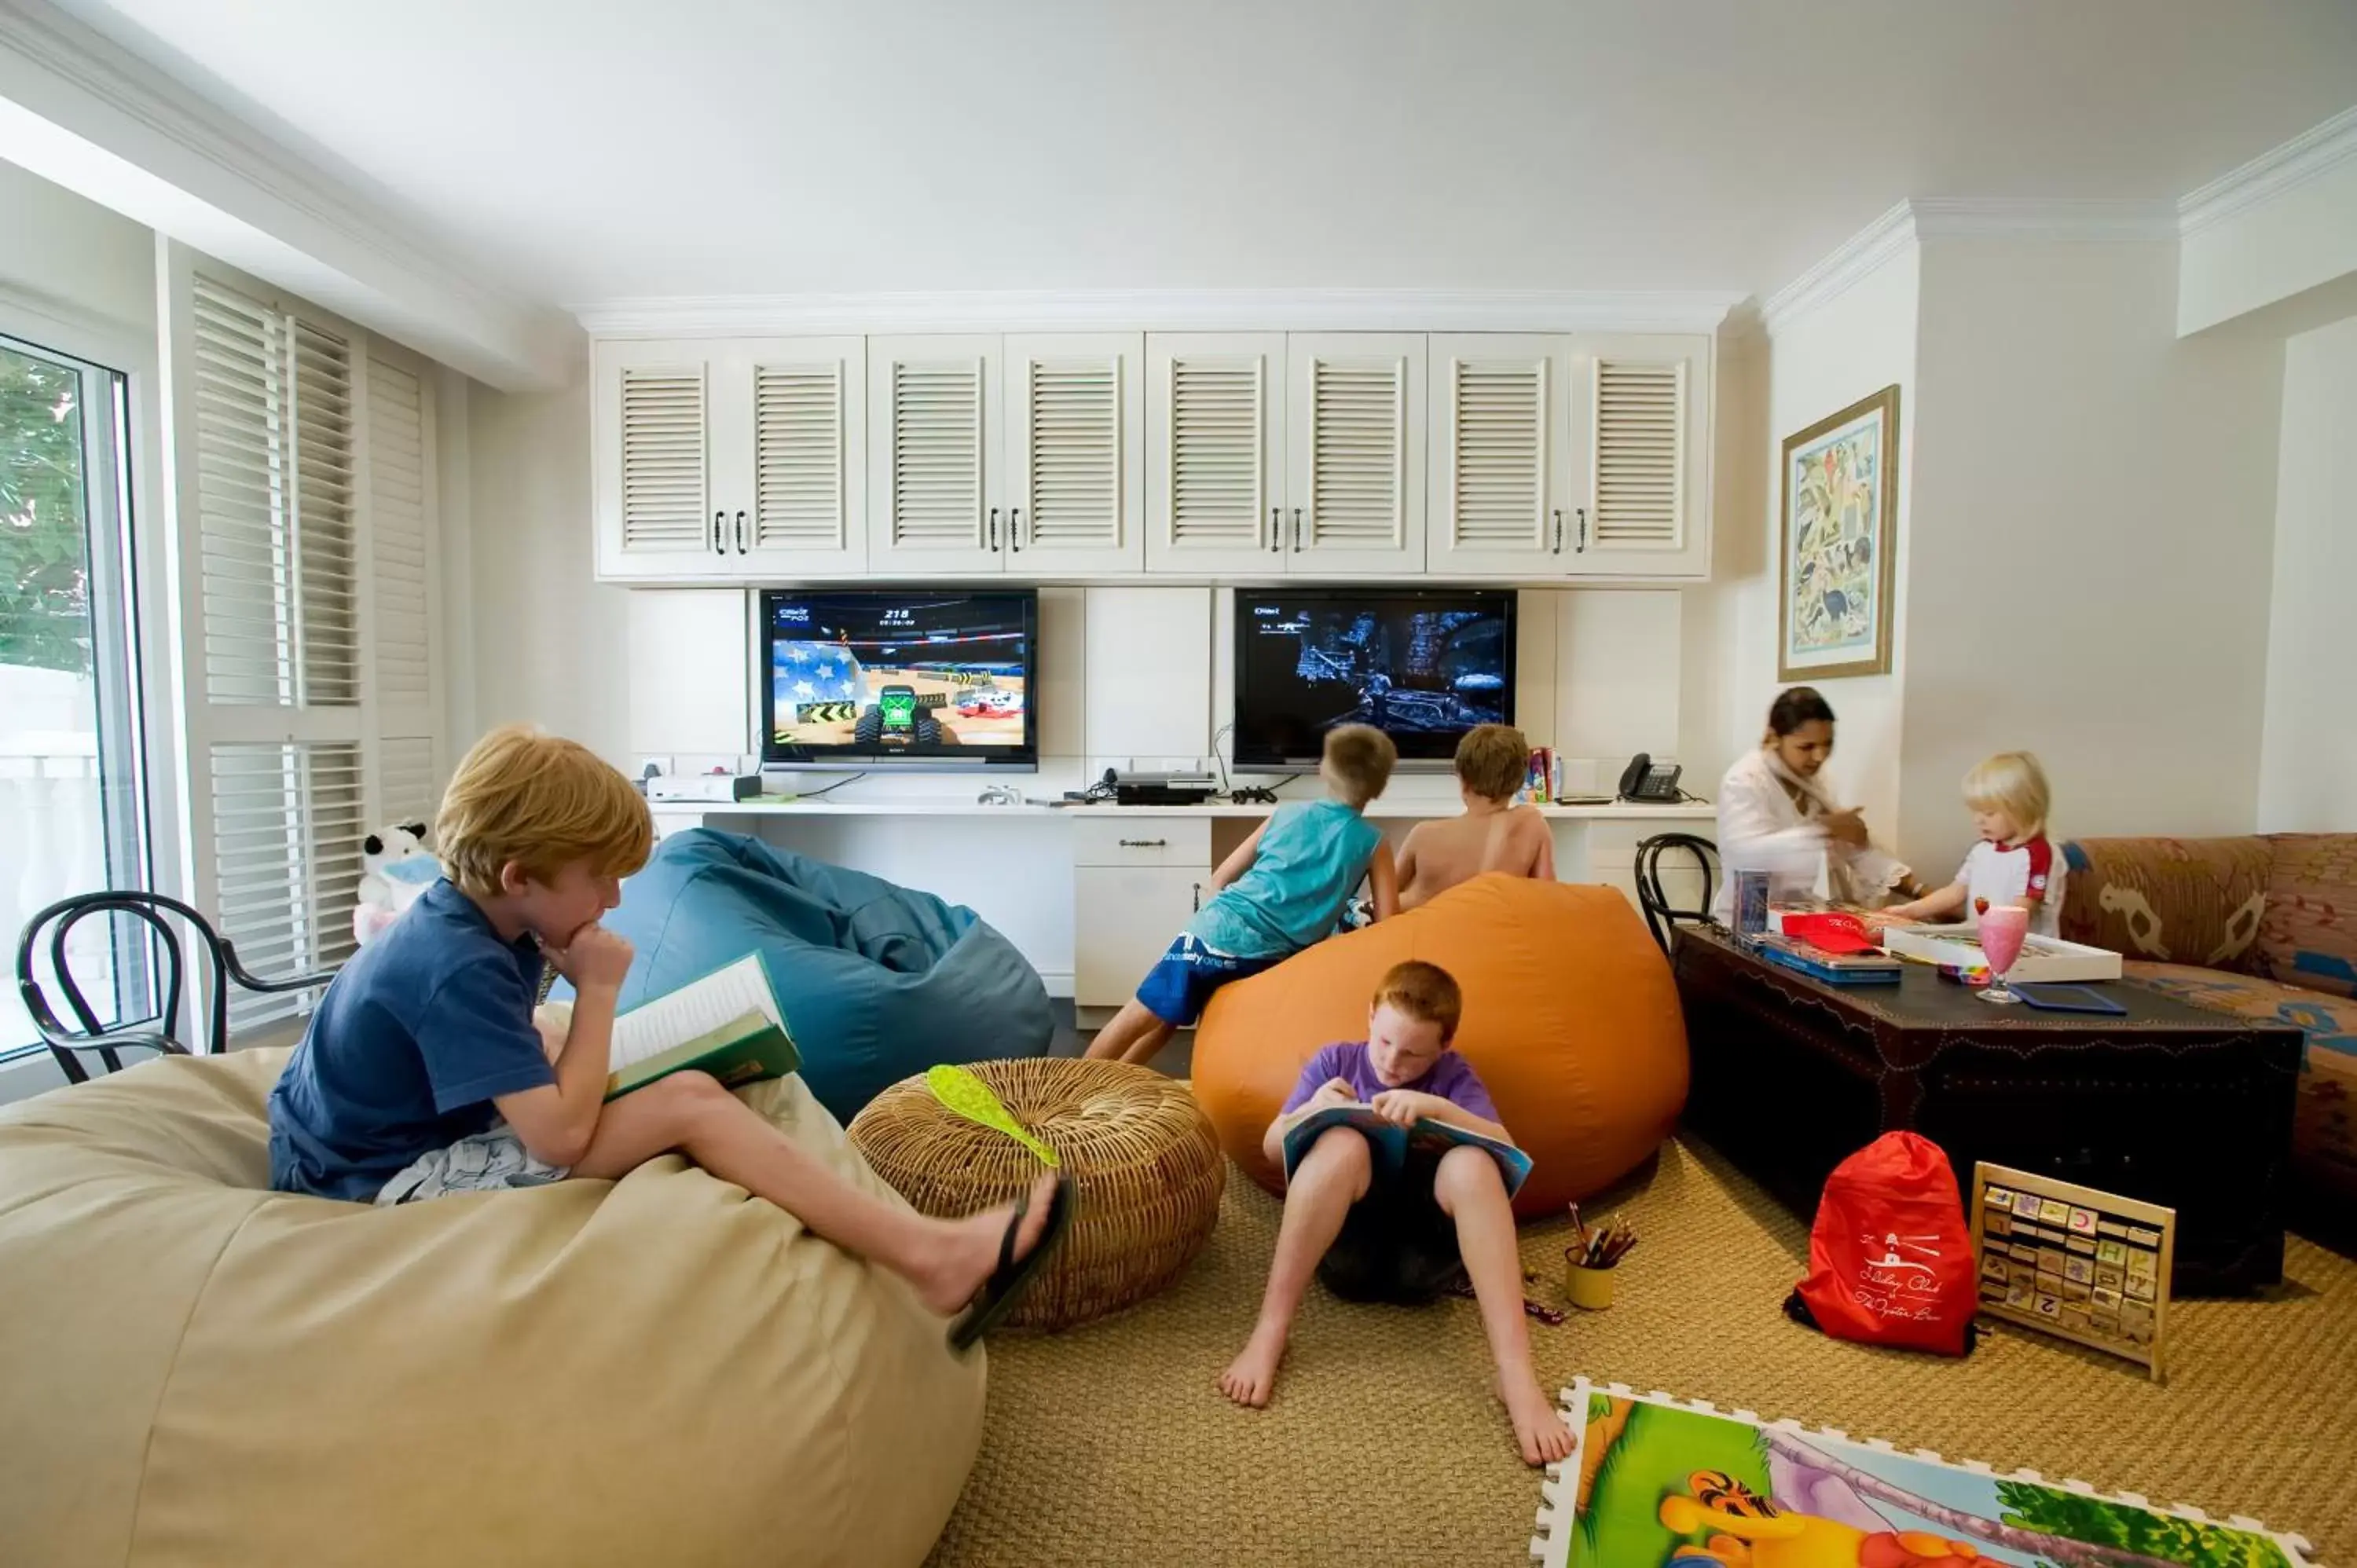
[(1390, 1141), (728, 1023)]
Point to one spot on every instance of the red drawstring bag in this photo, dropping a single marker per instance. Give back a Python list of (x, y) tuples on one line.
[(1890, 1260)]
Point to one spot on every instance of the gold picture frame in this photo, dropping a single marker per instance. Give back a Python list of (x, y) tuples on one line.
[(2087, 1266), (1836, 542)]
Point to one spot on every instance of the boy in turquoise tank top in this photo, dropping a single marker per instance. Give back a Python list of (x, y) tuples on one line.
[(1283, 889)]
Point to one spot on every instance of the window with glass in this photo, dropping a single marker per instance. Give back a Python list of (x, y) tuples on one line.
[(72, 811)]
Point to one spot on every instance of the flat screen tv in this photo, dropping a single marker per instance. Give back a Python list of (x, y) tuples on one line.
[(900, 678), (1423, 665)]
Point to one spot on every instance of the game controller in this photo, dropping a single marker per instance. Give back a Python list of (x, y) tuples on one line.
[(998, 795), (1253, 795)]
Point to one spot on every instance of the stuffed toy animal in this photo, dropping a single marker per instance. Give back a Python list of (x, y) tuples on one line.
[(396, 867)]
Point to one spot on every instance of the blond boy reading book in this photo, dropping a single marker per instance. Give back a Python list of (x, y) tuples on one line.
[(423, 1071)]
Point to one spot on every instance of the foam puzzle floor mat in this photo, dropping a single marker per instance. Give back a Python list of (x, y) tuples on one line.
[(1657, 1482)]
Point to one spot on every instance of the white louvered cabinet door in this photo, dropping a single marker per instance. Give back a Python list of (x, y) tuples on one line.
[(1355, 441), (1215, 452), (651, 461), (1508, 471), (935, 421), (1648, 439), (789, 476), (1075, 446)]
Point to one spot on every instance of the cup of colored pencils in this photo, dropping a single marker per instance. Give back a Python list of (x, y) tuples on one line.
[(1591, 1257)]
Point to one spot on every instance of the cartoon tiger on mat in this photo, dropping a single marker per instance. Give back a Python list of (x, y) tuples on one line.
[(1750, 1532)]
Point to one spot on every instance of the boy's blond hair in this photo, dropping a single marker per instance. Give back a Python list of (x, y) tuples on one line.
[(2011, 782), (1358, 762), (1493, 761), (1425, 992), (539, 801)]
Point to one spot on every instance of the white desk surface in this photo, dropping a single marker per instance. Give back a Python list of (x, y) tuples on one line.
[(967, 806)]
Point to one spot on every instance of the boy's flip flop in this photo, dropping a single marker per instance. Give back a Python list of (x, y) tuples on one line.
[(1013, 1276)]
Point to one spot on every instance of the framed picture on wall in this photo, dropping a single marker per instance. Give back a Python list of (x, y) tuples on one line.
[(1840, 519)]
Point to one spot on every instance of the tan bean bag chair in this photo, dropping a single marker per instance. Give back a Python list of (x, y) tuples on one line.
[(200, 1373), (1570, 1018)]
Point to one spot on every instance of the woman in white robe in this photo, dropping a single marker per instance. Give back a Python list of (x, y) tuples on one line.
[(1777, 815)]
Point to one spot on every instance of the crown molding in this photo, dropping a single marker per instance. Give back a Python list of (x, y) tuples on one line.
[(2042, 218), (1206, 310), (84, 112), (1834, 273), (2316, 150)]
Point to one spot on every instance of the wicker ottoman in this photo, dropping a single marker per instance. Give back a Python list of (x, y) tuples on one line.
[(1142, 1154)]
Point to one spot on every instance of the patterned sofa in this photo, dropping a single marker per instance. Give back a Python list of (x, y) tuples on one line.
[(2265, 927)]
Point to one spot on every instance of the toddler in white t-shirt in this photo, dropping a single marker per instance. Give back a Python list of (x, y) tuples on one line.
[(2013, 863)]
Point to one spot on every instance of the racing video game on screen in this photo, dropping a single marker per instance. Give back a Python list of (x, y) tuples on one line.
[(1406, 670), (909, 676)]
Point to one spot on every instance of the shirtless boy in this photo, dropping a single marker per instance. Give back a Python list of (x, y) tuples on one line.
[(1494, 833)]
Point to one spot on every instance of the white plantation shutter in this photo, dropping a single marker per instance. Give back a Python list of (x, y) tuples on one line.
[(1358, 491), (935, 431), (662, 436), (303, 485), (287, 823), (1640, 420), (1075, 452), (1498, 498), (1217, 451), (798, 457)]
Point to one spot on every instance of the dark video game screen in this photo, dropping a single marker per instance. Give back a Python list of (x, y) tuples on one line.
[(1423, 667), (880, 676)]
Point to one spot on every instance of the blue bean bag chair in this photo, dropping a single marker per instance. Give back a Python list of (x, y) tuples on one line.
[(876, 981)]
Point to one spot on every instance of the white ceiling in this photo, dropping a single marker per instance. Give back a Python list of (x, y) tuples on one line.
[(582, 151)]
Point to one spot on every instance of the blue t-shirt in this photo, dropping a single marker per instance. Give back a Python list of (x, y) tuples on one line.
[(422, 1028), (1310, 856)]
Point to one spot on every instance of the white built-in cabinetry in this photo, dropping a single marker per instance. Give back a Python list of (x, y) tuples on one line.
[(1063, 456), (1135, 884)]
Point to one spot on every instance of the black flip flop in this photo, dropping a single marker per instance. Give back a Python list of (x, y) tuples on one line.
[(1014, 1275)]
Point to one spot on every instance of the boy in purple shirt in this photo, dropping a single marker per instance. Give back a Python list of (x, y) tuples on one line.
[(1373, 1238)]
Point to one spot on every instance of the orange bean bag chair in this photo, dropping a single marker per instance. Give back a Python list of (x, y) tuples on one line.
[(1570, 1018)]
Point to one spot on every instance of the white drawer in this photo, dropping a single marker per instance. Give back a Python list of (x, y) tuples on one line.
[(1183, 842), (1124, 918)]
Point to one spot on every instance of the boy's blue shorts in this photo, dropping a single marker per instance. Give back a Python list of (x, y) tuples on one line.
[(1176, 989)]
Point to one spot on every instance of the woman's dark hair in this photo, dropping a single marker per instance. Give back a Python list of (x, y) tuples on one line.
[(1796, 706)]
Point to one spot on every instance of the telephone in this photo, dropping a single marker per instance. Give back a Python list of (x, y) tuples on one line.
[(1651, 781)]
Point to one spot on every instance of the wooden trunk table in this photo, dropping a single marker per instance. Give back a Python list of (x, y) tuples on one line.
[(2170, 1105)]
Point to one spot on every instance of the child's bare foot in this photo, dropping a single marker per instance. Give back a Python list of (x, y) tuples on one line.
[(1251, 1377), (1538, 1425), (948, 1277)]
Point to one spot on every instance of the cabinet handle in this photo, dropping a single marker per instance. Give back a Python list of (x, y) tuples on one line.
[(740, 534), (1146, 843), (1558, 531), (1199, 898), (719, 544), (1275, 528), (1296, 529), (1015, 530), (994, 528), (1583, 531)]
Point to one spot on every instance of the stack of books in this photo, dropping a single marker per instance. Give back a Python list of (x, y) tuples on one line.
[(1833, 968)]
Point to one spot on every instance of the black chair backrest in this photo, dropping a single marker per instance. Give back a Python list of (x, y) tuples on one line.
[(70, 1044), (1662, 916)]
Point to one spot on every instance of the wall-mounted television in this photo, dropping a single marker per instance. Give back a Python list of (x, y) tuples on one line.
[(1423, 665), (900, 677)]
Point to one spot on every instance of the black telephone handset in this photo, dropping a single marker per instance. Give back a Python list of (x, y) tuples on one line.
[(1655, 783)]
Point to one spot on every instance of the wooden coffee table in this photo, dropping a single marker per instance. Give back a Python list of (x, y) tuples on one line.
[(2170, 1104)]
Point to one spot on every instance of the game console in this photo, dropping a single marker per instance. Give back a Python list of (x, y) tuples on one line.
[(1179, 788), (723, 789)]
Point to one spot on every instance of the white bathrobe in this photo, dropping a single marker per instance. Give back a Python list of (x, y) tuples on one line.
[(1760, 829)]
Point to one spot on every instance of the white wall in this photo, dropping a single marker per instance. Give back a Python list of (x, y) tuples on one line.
[(2271, 250), (2088, 567), (2308, 753), (1847, 348)]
